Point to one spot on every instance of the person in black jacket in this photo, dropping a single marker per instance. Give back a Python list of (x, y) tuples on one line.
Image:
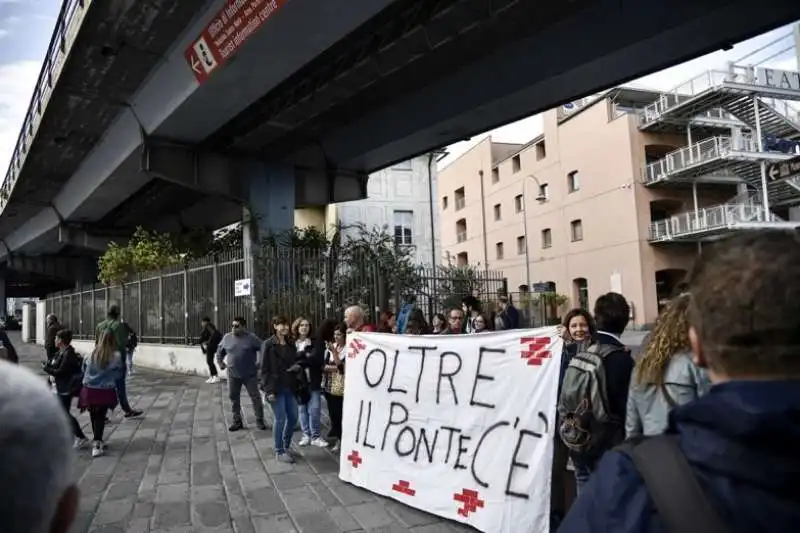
[(66, 369), (5, 342), (313, 362), (52, 328), (280, 374), (210, 338)]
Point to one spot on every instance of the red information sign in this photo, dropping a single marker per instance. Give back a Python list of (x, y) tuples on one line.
[(226, 33)]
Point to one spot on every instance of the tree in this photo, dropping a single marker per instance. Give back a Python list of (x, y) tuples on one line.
[(145, 251)]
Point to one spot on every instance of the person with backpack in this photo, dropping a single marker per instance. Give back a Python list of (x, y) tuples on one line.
[(121, 333), (728, 461), (67, 371), (594, 392)]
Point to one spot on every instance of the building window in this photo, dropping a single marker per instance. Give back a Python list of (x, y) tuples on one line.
[(576, 230), (498, 250), (518, 204), (581, 290), (498, 213), (495, 175), (547, 238), (403, 165), (544, 191), (541, 151), (461, 230), (444, 202), (462, 259), (520, 245), (403, 228), (573, 183), (516, 164), (460, 198)]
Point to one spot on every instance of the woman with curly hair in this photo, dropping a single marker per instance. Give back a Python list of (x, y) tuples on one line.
[(665, 376)]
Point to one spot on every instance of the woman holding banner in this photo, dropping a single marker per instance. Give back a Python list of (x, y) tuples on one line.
[(333, 382)]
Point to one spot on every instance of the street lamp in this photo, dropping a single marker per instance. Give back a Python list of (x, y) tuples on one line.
[(541, 198)]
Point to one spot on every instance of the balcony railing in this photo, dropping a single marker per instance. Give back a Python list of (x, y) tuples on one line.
[(785, 108), (461, 236), (459, 203), (700, 83), (694, 154), (67, 25), (740, 210)]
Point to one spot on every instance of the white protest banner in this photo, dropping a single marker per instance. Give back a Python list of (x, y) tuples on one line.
[(460, 426)]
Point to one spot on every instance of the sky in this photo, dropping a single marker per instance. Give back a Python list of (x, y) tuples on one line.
[(27, 25)]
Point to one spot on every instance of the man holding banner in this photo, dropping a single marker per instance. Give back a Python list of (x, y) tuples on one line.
[(459, 426)]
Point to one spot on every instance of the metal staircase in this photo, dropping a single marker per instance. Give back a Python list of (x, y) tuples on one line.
[(743, 212), (710, 100)]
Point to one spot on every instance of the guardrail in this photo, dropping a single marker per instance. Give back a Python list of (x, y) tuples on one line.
[(69, 21), (702, 82), (710, 218), (784, 108), (706, 150)]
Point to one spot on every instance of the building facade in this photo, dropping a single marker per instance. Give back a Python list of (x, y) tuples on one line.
[(623, 188), (401, 199)]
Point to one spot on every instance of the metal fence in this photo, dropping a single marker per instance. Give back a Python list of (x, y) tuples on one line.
[(167, 306)]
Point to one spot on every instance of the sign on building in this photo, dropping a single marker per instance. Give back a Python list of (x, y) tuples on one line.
[(230, 28), (784, 170), (460, 426), (778, 79)]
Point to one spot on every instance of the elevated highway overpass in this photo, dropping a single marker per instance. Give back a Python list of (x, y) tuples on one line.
[(175, 114)]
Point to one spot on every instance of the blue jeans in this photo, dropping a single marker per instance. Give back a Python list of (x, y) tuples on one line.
[(310, 415), (582, 475), (122, 392), (284, 410)]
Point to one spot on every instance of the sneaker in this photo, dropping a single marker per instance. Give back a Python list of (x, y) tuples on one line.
[(80, 443), (319, 442), (292, 452), (336, 447), (209, 380), (261, 425), (305, 441), (213, 379), (133, 413), (236, 426), (97, 449), (284, 458)]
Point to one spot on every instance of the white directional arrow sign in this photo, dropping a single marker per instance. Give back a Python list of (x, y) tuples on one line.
[(774, 172), (196, 65)]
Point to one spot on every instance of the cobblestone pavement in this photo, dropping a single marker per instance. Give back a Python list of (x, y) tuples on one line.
[(179, 470)]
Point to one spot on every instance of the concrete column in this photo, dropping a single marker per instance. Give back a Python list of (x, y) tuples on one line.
[(271, 201), (270, 210)]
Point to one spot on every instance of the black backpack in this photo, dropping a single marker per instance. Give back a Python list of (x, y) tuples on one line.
[(583, 411), (680, 500)]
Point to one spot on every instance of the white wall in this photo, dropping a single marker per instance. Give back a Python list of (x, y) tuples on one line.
[(179, 359), (404, 187)]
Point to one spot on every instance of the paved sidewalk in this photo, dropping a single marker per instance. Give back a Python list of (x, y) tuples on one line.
[(179, 470)]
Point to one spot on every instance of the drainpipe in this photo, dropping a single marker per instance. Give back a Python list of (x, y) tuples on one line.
[(431, 157), (483, 222)]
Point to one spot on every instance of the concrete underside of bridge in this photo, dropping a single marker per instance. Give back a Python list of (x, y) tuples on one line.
[(130, 138)]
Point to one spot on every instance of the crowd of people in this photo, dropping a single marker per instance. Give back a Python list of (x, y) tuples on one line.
[(696, 432)]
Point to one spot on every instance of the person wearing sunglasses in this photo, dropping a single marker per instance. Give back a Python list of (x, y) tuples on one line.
[(239, 354)]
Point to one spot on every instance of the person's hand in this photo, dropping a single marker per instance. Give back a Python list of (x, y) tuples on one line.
[(294, 368), (271, 398), (563, 332)]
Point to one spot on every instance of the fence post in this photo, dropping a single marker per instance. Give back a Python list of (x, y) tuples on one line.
[(94, 308), (161, 308), (80, 312), (186, 305), (139, 306), (106, 294), (122, 302), (215, 290)]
